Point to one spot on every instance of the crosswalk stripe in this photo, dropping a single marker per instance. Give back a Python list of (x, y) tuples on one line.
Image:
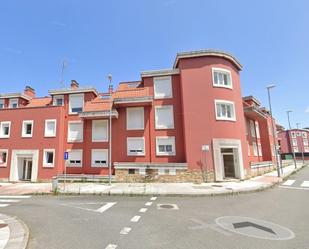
[(15, 196), (288, 183), (4, 205), (305, 184), (6, 200)]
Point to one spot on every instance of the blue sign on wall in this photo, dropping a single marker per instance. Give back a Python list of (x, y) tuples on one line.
[(66, 155)]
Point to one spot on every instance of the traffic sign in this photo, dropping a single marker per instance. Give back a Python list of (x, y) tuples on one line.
[(66, 155)]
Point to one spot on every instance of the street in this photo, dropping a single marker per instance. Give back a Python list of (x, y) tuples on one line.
[(275, 218)]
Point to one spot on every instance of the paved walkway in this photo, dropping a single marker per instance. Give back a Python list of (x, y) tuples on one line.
[(254, 184), (14, 234)]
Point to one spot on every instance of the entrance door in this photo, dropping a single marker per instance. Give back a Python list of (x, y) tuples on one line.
[(228, 162), (27, 169)]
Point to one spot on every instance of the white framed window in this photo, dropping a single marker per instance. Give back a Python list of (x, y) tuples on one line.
[(296, 149), (164, 117), (161, 171), (298, 133), (99, 158), (222, 78), (76, 103), (225, 110), (13, 103), (306, 149), (99, 130), (305, 141), (260, 149), (255, 149), (58, 100), (48, 158), (163, 87), (294, 142), (1, 103), (172, 172), (27, 129), (165, 146), (252, 128), (75, 158), (257, 128), (142, 171), (5, 129), (75, 131), (135, 118), (3, 157), (304, 134), (136, 146), (293, 134), (50, 127)]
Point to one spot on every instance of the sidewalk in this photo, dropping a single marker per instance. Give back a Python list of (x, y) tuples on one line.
[(233, 187)]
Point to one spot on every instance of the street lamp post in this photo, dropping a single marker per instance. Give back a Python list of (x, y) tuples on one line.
[(273, 128), (302, 147), (110, 90), (291, 139)]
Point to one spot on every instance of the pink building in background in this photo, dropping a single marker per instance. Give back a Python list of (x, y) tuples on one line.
[(187, 123)]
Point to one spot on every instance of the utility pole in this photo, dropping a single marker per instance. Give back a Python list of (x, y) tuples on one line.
[(110, 90), (273, 129), (291, 139)]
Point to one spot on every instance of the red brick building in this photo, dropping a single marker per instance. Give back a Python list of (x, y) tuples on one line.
[(188, 123)]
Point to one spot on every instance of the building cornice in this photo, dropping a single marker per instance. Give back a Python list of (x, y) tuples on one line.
[(210, 52), (161, 72), (72, 91), (14, 95), (133, 100), (148, 165), (98, 114)]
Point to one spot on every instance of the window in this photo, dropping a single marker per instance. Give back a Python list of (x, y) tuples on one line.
[(76, 103), (172, 172), (293, 134), (164, 117), (3, 158), (48, 157), (142, 171), (99, 158), (225, 110), (165, 146), (163, 87), (222, 78), (161, 171), (294, 142), (5, 128), (135, 146), (58, 100), (295, 149), (304, 134), (13, 103), (306, 149), (135, 118), (75, 158), (255, 149), (99, 130), (131, 171), (305, 142), (75, 131), (1, 103), (252, 128), (50, 128), (257, 128), (27, 128), (298, 133), (260, 149)]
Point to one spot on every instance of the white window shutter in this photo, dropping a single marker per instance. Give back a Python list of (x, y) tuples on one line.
[(99, 130), (163, 87), (135, 118), (164, 116)]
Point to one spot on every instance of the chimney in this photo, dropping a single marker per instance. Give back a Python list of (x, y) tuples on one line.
[(74, 84), (29, 91)]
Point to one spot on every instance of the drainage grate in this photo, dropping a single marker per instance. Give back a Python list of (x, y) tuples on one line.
[(167, 206)]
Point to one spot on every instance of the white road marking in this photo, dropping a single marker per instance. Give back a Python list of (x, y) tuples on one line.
[(15, 196), (105, 207), (135, 218), (125, 230), (7, 200), (148, 203), (4, 205), (298, 188), (143, 210), (305, 184), (288, 183), (153, 198), (111, 246)]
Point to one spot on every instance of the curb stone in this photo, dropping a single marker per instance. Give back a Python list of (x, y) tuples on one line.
[(19, 232)]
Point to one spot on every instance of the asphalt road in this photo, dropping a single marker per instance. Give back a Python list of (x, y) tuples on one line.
[(65, 222)]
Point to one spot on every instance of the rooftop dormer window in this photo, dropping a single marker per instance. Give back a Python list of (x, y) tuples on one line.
[(13, 103), (222, 78), (76, 103), (58, 100)]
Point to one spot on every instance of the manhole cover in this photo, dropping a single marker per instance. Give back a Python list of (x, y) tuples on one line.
[(167, 206)]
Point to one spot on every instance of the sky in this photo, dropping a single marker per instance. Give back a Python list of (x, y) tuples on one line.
[(97, 37)]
